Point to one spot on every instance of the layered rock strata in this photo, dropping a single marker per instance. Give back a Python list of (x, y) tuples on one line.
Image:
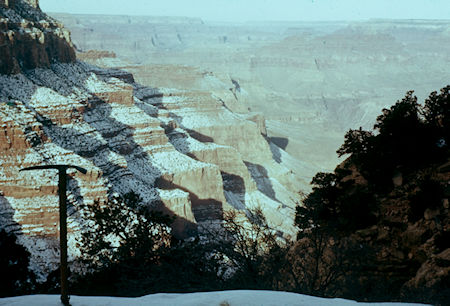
[(183, 152), (29, 38)]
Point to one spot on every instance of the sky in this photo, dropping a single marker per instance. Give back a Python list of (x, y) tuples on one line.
[(260, 10)]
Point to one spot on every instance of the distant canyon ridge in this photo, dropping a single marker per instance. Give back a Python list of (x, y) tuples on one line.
[(312, 81)]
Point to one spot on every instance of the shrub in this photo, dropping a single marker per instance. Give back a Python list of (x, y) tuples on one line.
[(15, 277), (121, 242)]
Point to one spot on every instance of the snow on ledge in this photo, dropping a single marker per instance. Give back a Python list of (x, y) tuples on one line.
[(217, 298)]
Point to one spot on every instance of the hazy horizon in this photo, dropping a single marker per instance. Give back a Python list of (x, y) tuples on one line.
[(260, 10)]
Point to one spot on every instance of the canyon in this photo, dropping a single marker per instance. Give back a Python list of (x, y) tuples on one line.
[(201, 118), (312, 81), (184, 152)]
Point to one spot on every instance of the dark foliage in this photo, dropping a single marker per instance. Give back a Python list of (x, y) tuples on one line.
[(15, 277), (429, 195), (123, 232), (241, 253), (407, 136), (253, 251), (359, 143), (317, 263), (437, 115), (333, 205), (185, 267), (121, 243)]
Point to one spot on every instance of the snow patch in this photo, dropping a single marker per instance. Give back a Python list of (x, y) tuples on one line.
[(217, 298)]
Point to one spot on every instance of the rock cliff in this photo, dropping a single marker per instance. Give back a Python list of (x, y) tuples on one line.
[(408, 250), (184, 152), (29, 38)]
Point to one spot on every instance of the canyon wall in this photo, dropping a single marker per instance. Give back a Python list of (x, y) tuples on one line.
[(29, 38), (184, 152)]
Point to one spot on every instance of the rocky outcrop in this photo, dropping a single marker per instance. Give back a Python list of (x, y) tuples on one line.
[(29, 38), (405, 254), (13, 3)]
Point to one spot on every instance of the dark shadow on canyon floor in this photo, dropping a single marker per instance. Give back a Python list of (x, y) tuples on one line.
[(281, 142), (203, 209), (262, 180), (276, 151)]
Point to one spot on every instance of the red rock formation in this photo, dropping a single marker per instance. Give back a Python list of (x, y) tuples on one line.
[(29, 38), (121, 93)]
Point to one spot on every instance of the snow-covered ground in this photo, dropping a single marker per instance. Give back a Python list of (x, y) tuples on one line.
[(218, 298)]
